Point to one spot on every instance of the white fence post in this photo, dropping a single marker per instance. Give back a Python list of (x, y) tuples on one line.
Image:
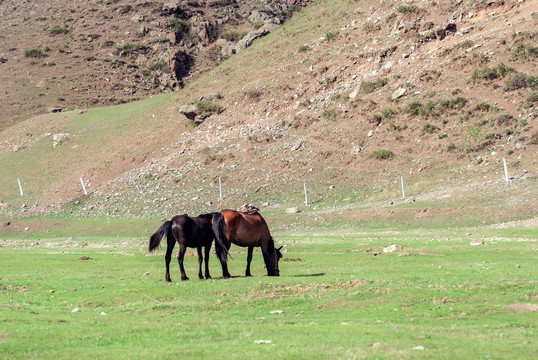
[(403, 188), (83, 187), (305, 194), (20, 186), (220, 189), (505, 170)]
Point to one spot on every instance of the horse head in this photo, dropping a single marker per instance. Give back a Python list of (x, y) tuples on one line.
[(272, 270)]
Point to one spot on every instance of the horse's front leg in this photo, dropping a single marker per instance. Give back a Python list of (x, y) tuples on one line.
[(207, 248), (200, 259), (249, 259), (180, 256)]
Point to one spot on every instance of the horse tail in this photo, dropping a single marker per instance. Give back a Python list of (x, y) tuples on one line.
[(220, 236), (156, 238)]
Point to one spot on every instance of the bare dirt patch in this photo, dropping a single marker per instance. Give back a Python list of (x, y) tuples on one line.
[(523, 308), (14, 288), (313, 289)]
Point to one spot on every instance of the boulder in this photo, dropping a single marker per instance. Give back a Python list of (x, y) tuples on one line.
[(57, 139), (398, 93), (253, 35), (190, 111), (258, 17)]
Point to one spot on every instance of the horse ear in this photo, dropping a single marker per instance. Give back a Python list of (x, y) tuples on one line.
[(280, 248)]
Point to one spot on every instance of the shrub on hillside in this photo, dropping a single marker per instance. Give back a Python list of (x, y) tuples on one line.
[(521, 81), (383, 154), (329, 114), (304, 48), (406, 9), (34, 53), (525, 52), (330, 35), (424, 110), (490, 74), (368, 87), (59, 30), (430, 128), (207, 107)]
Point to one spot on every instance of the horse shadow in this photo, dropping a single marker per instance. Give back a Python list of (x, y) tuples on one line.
[(310, 275)]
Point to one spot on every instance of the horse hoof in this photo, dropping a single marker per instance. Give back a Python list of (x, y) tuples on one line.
[(168, 280), (208, 277), (185, 279)]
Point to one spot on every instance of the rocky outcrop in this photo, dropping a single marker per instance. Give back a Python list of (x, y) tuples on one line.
[(229, 48), (180, 65)]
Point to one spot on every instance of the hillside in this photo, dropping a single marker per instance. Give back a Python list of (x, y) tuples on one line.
[(78, 54), (345, 96)]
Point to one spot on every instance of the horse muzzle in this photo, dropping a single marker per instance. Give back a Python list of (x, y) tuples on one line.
[(275, 272)]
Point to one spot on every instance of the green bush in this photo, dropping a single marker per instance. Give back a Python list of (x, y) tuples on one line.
[(383, 154), (304, 48), (406, 9), (329, 36), (521, 81), (505, 119), (232, 35), (424, 110), (207, 107), (34, 53), (504, 70), (465, 44), (178, 25), (59, 30), (532, 99), (368, 87), (484, 73), (457, 103), (430, 128), (525, 52), (388, 113), (157, 65), (329, 114), (371, 27)]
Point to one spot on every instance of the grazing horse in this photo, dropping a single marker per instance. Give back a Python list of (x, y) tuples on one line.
[(246, 230), (188, 232)]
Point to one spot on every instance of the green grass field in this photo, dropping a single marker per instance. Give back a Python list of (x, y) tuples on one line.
[(339, 296)]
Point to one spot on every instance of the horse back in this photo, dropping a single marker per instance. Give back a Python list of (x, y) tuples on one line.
[(246, 229), (193, 232)]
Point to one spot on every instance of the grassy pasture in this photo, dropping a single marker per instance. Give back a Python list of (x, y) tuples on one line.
[(340, 296)]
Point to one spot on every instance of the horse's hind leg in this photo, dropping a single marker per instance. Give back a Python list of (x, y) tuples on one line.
[(249, 259), (200, 259), (207, 248), (168, 258), (180, 257)]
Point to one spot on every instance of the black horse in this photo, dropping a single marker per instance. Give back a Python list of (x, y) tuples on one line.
[(188, 232)]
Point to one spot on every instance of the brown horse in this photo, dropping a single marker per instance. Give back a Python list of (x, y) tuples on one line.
[(246, 230), (187, 232)]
